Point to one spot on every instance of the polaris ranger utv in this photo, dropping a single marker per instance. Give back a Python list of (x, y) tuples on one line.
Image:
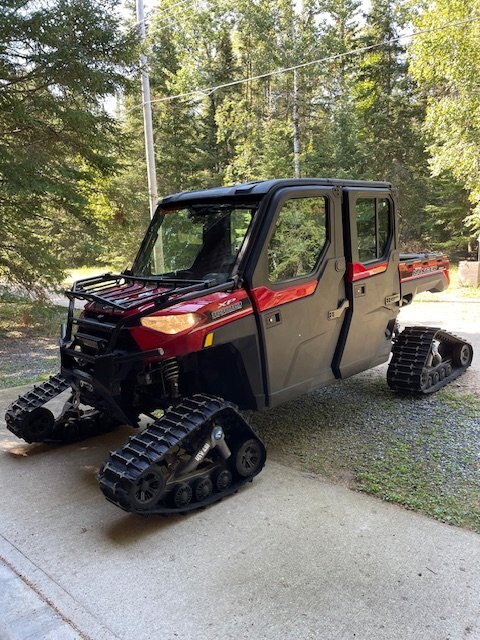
[(243, 296)]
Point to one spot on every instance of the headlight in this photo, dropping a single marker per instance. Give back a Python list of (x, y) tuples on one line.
[(171, 324)]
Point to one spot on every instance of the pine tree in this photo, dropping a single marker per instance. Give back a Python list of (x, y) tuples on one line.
[(390, 113), (58, 62)]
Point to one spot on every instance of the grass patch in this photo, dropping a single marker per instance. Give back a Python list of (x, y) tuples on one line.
[(422, 453), (18, 380)]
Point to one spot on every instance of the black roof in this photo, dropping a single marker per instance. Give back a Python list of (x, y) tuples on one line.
[(263, 187)]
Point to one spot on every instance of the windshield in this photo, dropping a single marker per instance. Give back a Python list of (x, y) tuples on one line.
[(198, 242)]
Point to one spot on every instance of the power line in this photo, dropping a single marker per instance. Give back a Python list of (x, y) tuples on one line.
[(209, 90)]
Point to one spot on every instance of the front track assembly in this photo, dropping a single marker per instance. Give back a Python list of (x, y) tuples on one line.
[(425, 359), (198, 452), (29, 419)]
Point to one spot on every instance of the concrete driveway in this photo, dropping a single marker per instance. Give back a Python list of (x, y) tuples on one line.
[(288, 557)]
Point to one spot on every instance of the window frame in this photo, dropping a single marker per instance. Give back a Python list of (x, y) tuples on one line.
[(278, 201), (369, 194)]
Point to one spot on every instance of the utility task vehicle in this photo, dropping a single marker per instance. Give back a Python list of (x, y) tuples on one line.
[(243, 296)]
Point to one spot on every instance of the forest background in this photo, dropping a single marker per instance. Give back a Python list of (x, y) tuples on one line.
[(379, 105)]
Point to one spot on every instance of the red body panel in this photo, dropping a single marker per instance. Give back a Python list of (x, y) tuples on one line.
[(265, 298), (215, 310), (411, 270), (357, 271), (218, 309)]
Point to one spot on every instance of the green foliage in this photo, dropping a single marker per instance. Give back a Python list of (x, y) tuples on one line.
[(58, 62), (358, 116), (446, 63), (73, 178)]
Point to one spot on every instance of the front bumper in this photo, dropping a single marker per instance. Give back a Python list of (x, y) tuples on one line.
[(103, 380)]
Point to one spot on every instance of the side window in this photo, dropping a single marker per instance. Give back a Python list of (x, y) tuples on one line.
[(299, 238), (366, 233), (373, 227)]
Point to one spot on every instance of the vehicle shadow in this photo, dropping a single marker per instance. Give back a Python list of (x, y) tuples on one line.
[(130, 527), (18, 448), (70, 473)]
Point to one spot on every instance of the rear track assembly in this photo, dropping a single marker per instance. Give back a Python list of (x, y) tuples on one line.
[(425, 359), (198, 452)]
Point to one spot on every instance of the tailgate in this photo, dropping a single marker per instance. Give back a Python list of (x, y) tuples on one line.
[(422, 272)]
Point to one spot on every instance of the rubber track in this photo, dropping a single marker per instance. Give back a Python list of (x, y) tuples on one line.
[(125, 465), (37, 397), (409, 357), (67, 428)]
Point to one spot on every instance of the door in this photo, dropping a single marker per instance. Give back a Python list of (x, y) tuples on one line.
[(372, 280), (297, 287)]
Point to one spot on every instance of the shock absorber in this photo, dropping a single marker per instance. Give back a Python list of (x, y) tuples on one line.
[(171, 375)]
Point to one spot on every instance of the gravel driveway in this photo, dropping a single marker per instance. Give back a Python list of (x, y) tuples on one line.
[(423, 453)]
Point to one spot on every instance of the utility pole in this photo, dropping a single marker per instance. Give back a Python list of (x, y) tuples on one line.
[(148, 129), (147, 114), (296, 97)]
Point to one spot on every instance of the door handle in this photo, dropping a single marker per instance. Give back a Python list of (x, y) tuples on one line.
[(336, 313)]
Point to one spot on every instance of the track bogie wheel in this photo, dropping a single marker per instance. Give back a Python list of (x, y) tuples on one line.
[(202, 489), (223, 480), (442, 373), (250, 458), (181, 495), (424, 379), (39, 426), (462, 355), (435, 377), (147, 491)]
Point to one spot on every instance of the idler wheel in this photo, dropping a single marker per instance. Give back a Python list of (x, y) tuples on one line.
[(223, 480), (38, 425), (148, 489), (250, 458), (181, 495), (462, 355), (202, 489)]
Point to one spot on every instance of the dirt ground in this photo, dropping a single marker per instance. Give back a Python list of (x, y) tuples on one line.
[(25, 360)]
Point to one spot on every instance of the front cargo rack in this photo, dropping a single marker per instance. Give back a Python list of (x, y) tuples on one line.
[(125, 292)]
